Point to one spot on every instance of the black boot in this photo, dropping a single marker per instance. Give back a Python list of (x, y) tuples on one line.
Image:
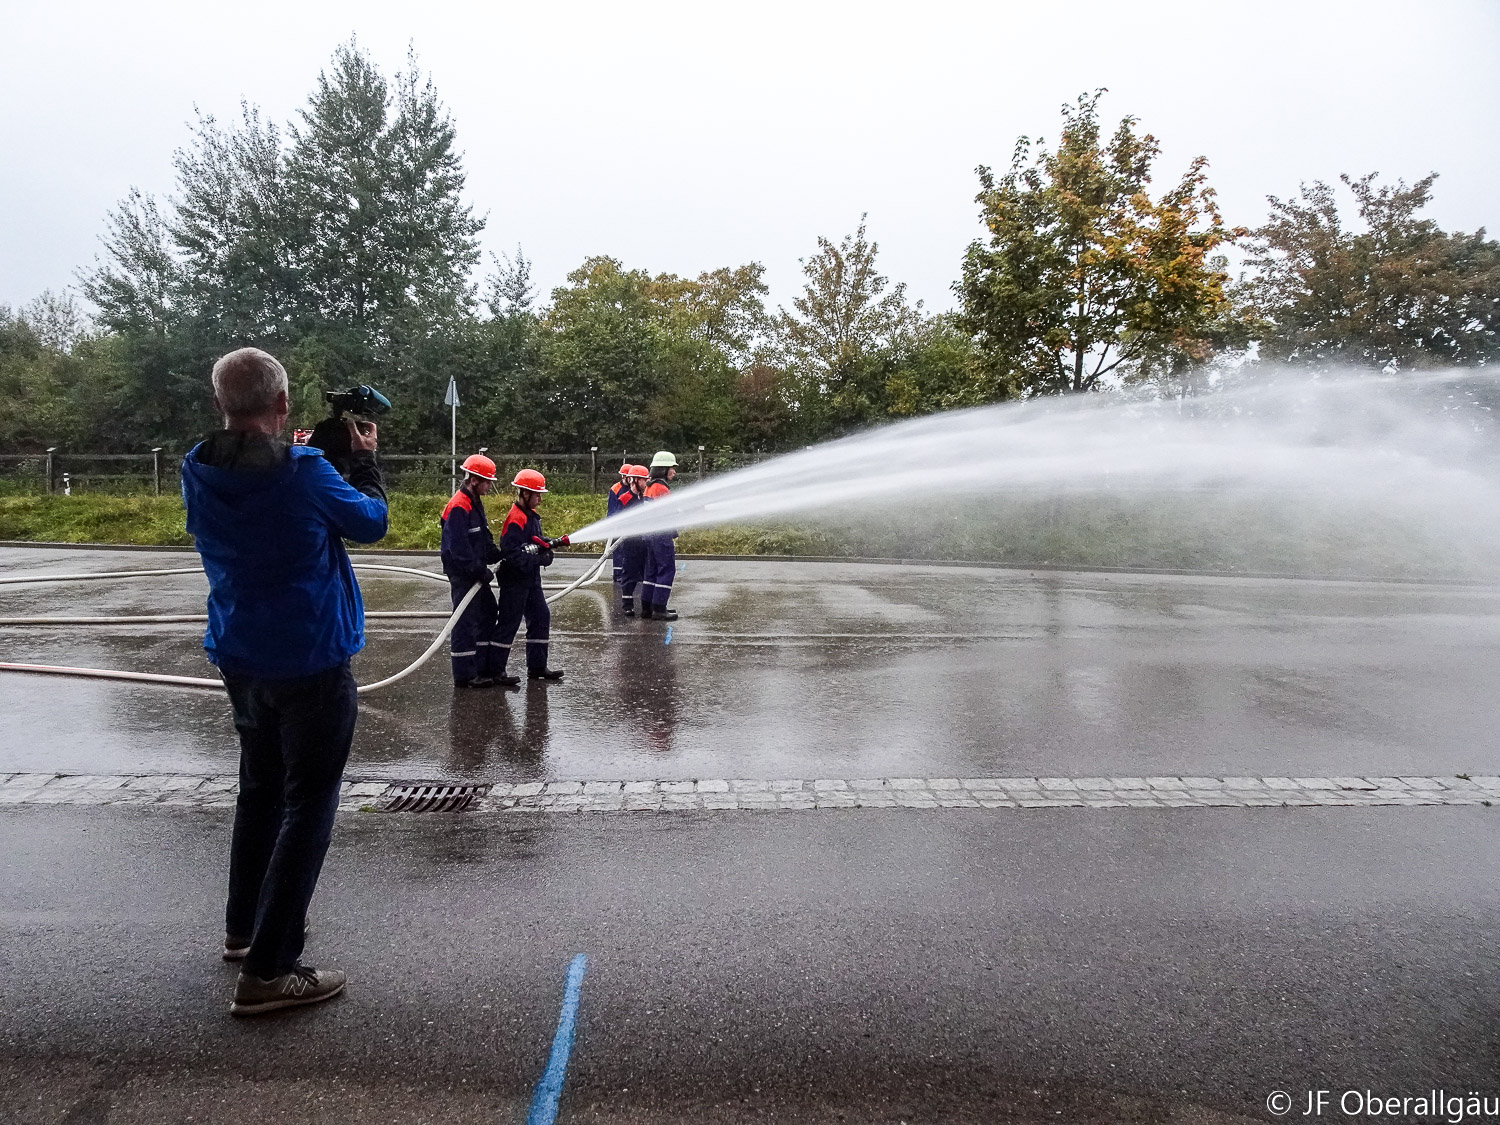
[(646, 611), (546, 674), (508, 681), (665, 614)]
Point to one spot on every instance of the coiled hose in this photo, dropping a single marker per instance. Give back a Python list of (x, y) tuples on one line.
[(590, 574)]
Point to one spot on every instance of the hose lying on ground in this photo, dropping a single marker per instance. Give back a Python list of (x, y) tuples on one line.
[(589, 575), (96, 576)]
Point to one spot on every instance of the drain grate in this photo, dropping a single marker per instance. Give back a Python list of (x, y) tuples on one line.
[(430, 796)]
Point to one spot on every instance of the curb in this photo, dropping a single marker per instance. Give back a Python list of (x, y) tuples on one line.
[(745, 795)]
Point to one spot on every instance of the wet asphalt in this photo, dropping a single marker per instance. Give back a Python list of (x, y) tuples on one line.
[(874, 966), (781, 669), (880, 965)]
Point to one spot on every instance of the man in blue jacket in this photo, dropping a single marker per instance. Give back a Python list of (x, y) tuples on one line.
[(284, 617)]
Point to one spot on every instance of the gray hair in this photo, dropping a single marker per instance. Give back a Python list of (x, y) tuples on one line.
[(247, 381)]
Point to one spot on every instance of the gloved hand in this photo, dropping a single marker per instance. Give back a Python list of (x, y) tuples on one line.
[(546, 559), (561, 541)]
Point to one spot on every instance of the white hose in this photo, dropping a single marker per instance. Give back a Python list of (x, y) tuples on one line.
[(432, 648), (188, 618), (97, 575), (94, 576), (588, 576)]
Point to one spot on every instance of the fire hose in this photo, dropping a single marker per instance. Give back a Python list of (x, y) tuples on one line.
[(591, 574)]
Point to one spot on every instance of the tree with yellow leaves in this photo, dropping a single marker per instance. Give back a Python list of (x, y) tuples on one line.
[(1085, 280)]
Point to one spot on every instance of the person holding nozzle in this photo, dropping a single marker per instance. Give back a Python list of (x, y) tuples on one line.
[(524, 552), (468, 552), (630, 552), (661, 548)]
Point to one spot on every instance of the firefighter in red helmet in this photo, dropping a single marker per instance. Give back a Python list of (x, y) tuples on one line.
[(524, 552), (468, 552)]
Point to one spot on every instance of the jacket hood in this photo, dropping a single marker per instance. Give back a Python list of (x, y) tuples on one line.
[(237, 492)]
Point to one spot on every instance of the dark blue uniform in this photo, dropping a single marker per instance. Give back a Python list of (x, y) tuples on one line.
[(521, 596), (617, 497), (660, 558), (468, 551), (630, 554)]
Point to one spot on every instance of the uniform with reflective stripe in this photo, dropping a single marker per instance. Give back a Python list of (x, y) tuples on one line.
[(468, 550), (660, 562), (521, 595), (630, 554)]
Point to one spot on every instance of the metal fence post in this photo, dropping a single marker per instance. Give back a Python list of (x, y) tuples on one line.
[(700, 462), (593, 468), (51, 470), (156, 468)]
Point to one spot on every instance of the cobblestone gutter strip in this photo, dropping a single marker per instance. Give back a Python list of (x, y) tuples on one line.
[(822, 793)]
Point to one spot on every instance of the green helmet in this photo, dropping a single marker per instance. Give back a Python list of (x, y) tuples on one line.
[(664, 459)]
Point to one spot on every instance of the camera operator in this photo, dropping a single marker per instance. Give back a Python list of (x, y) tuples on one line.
[(284, 617)]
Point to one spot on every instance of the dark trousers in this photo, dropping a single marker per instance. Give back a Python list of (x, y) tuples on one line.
[(529, 602), (630, 568), (661, 568), (470, 643), (294, 741)]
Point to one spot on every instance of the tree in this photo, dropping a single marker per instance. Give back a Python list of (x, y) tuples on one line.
[(1083, 275), (601, 358), (510, 290), (386, 244), (1400, 294), (236, 235), (135, 286), (832, 343), (931, 367)]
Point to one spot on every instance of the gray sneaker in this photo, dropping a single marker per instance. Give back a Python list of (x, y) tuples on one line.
[(302, 985)]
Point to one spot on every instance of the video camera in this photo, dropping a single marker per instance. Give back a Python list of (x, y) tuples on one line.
[(363, 400), (332, 436)]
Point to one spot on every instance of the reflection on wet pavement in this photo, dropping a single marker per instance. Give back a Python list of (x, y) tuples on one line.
[(827, 670)]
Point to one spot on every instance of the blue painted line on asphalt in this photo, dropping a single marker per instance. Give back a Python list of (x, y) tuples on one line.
[(548, 1090), (669, 636)]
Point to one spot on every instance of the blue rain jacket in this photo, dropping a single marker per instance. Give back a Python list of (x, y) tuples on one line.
[(282, 599)]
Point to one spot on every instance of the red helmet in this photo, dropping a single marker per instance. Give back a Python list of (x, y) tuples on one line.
[(530, 480), (625, 470), (480, 466), (638, 471)]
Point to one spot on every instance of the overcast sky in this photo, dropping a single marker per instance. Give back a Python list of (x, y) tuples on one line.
[(684, 136)]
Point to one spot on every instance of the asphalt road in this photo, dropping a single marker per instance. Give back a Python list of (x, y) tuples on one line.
[(829, 670), (871, 965), (880, 965)]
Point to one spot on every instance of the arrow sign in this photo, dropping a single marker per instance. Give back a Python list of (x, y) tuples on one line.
[(451, 398)]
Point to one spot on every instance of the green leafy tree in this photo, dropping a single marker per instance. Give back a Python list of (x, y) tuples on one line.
[(601, 359), (343, 244), (833, 342), (386, 244), (625, 357), (59, 379), (931, 367), (137, 288), (1083, 274), (1399, 294), (235, 234)]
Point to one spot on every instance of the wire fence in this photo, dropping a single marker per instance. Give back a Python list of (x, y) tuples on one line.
[(158, 472)]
